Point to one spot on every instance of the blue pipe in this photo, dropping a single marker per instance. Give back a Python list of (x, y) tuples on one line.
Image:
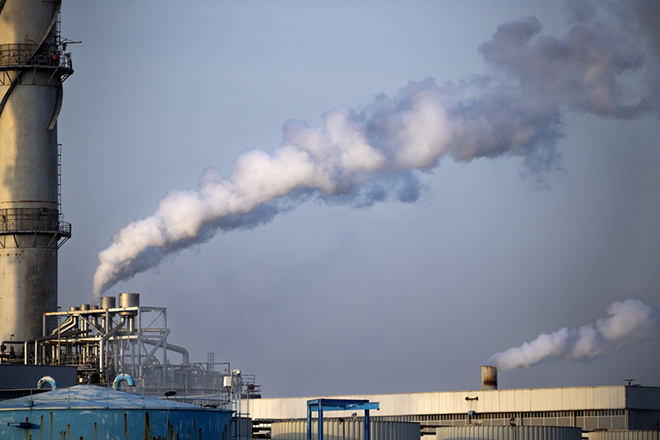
[(123, 377), (47, 380)]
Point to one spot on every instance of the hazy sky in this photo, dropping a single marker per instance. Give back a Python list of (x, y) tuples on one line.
[(331, 298)]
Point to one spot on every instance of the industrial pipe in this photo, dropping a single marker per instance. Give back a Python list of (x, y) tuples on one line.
[(123, 377), (103, 340), (184, 353), (181, 350), (47, 380)]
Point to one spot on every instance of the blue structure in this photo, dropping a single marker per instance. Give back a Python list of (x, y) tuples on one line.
[(321, 405), (87, 412), (47, 380), (123, 378)]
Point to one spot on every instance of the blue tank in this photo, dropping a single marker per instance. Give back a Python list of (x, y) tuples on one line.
[(88, 412)]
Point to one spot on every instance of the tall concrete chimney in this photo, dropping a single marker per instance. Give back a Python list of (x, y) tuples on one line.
[(33, 66)]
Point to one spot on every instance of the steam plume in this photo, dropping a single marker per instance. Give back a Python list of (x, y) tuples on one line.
[(628, 321), (605, 66)]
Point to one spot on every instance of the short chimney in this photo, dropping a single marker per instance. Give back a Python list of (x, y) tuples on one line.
[(488, 378)]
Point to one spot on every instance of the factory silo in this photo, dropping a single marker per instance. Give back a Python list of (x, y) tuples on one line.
[(33, 66)]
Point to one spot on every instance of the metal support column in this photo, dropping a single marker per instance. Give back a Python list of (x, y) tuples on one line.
[(320, 405)]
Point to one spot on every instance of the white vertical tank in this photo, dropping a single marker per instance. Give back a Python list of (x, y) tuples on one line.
[(32, 68), (346, 429), (507, 433)]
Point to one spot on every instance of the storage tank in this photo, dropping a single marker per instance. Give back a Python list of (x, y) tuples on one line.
[(128, 300), (624, 435), (88, 412), (508, 433), (108, 302), (346, 429)]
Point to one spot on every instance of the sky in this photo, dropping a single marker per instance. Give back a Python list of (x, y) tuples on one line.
[(476, 176)]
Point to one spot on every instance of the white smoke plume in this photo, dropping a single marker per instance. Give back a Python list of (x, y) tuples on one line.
[(606, 66), (628, 321)]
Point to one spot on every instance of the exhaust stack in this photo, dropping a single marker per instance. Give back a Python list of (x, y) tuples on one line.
[(488, 378), (33, 67)]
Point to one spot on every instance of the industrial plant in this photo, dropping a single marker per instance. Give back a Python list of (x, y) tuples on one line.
[(99, 340), (88, 346), (66, 372)]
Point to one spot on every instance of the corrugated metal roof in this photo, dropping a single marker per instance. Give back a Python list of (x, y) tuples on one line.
[(93, 397)]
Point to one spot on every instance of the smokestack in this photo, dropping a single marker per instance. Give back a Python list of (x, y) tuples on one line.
[(488, 378), (32, 69)]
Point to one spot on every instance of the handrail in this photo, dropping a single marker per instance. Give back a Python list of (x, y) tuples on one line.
[(29, 226), (23, 54), (32, 220)]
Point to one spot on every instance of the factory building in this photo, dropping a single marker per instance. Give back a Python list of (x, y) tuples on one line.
[(593, 408)]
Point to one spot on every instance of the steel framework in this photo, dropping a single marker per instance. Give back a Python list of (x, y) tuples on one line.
[(103, 341)]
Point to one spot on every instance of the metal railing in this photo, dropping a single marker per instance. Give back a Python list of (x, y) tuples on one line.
[(35, 226), (23, 55), (29, 221)]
